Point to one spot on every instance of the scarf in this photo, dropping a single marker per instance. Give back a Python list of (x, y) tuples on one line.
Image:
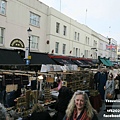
[(83, 117)]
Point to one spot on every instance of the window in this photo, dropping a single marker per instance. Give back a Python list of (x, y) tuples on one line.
[(64, 30), (57, 27), (34, 19), (86, 40), (86, 53), (34, 42), (64, 47), (78, 36), (95, 43), (76, 52), (79, 53), (56, 47), (1, 35), (75, 35), (2, 7)]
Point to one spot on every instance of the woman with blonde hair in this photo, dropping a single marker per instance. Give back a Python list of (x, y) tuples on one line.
[(80, 108)]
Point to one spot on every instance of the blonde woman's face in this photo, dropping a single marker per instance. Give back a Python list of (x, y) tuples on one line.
[(79, 102)]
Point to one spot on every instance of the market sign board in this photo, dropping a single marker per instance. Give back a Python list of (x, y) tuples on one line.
[(17, 43)]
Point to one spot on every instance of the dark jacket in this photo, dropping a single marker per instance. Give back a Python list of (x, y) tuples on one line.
[(65, 94), (40, 116)]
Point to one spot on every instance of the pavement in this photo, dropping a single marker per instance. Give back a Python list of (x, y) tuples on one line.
[(114, 115)]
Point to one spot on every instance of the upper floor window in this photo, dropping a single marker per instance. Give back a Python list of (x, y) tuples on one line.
[(87, 40), (64, 47), (101, 45), (57, 27), (2, 7), (1, 35), (95, 43), (34, 42), (75, 35), (64, 30), (34, 19), (56, 47), (78, 36)]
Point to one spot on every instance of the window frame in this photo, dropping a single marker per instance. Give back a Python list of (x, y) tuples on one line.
[(2, 8), (64, 30), (57, 27), (64, 48), (34, 19), (56, 47), (2, 32), (34, 42)]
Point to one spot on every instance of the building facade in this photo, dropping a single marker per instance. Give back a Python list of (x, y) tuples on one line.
[(52, 31)]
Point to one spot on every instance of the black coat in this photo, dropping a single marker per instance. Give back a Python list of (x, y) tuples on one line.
[(40, 116), (65, 94)]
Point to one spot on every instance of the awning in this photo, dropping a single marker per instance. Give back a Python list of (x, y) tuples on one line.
[(40, 58), (104, 62), (81, 63), (10, 57), (62, 61), (109, 62)]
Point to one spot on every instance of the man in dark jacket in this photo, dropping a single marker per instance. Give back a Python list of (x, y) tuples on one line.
[(65, 94)]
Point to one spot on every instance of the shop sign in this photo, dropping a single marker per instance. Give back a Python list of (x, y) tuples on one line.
[(17, 43)]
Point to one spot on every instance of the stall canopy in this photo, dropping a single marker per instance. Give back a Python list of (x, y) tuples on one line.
[(105, 61), (40, 58), (62, 60), (81, 62), (10, 57)]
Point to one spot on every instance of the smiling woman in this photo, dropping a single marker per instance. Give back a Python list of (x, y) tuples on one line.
[(80, 108)]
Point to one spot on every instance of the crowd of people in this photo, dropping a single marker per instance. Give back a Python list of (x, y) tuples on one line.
[(108, 84), (76, 105)]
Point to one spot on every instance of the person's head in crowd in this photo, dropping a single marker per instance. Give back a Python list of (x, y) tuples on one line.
[(37, 108), (38, 113), (3, 113), (111, 76), (80, 102)]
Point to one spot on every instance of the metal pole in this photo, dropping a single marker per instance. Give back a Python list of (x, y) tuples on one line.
[(86, 17), (29, 45)]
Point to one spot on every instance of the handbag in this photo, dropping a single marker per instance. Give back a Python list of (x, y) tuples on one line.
[(109, 96)]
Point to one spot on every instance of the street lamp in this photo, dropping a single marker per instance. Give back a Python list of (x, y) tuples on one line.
[(29, 35), (28, 54)]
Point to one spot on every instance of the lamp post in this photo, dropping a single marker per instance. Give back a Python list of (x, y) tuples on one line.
[(29, 35), (28, 57)]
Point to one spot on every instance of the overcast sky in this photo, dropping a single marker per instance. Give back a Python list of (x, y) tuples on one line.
[(102, 16)]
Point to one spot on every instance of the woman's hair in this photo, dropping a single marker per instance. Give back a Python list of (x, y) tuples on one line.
[(37, 108), (3, 113), (88, 107)]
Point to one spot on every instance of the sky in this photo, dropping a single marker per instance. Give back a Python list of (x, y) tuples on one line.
[(102, 16)]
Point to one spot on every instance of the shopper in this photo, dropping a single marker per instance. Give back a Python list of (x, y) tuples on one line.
[(80, 108), (65, 94), (109, 91), (101, 83), (116, 86)]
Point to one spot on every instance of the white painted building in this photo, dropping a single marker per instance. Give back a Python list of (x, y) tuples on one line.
[(52, 31)]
